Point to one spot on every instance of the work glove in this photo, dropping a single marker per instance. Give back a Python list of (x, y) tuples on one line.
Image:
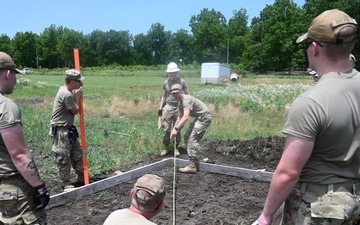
[(160, 112), (40, 200)]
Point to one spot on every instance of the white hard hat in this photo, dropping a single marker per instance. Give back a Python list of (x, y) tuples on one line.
[(172, 67)]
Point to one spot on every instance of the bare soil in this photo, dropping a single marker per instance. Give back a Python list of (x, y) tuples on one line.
[(200, 199)]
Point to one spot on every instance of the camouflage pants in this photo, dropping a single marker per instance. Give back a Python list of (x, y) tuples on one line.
[(195, 133), (68, 153), (16, 203), (168, 120), (325, 208)]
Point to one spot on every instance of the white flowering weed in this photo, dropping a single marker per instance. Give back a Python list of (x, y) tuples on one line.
[(252, 96)]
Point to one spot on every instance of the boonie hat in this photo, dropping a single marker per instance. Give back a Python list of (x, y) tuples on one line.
[(73, 74), (175, 88), (325, 27), (153, 185), (6, 62), (172, 67)]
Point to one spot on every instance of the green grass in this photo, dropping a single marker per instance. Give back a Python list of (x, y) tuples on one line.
[(121, 114)]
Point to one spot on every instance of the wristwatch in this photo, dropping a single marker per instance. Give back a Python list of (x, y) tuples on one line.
[(177, 129)]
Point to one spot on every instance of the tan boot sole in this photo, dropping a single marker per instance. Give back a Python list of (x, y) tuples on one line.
[(177, 153), (185, 170), (163, 153)]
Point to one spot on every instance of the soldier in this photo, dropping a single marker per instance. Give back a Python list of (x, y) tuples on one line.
[(318, 175), (168, 109), (190, 106), (66, 146), (147, 200), (23, 195)]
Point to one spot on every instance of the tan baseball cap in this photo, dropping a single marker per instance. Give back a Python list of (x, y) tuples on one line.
[(325, 27), (175, 88), (6, 62), (153, 185)]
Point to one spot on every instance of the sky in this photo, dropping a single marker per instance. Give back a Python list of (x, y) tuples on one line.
[(136, 16)]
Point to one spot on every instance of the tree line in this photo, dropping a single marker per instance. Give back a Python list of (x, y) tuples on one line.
[(268, 43)]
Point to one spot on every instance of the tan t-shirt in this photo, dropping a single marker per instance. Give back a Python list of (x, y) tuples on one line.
[(9, 116), (329, 113), (166, 89), (125, 216), (197, 108), (61, 115)]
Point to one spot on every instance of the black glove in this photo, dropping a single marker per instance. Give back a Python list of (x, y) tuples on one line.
[(40, 200), (160, 112)]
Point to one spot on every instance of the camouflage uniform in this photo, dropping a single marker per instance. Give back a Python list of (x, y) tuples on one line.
[(65, 143), (323, 204), (16, 203), (171, 111), (198, 126)]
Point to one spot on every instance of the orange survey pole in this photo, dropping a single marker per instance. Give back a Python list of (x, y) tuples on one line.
[(82, 124)]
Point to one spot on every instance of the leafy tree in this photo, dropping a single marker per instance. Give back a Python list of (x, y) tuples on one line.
[(210, 40), (143, 50), (181, 47), (48, 54), (276, 30), (24, 46), (159, 42), (237, 29), (5, 44), (67, 41), (91, 54), (114, 47)]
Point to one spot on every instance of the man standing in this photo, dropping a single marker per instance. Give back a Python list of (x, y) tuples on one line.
[(168, 109), (23, 195), (65, 143), (189, 106), (319, 171), (147, 200)]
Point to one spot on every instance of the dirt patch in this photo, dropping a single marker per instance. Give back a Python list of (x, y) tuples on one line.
[(202, 198), (31, 101)]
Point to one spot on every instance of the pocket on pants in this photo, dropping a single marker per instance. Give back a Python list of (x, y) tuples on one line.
[(338, 205)]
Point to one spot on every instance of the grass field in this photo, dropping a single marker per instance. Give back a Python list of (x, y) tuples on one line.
[(121, 113)]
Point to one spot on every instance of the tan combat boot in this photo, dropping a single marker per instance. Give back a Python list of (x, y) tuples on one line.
[(177, 153), (191, 168), (164, 152), (67, 186)]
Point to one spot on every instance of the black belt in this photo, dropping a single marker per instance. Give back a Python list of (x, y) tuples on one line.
[(173, 104)]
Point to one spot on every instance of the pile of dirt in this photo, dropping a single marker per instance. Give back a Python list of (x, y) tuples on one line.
[(201, 198)]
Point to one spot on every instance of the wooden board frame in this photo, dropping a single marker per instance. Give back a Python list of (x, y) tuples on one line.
[(78, 193)]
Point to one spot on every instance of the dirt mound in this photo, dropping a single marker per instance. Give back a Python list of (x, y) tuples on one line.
[(202, 198)]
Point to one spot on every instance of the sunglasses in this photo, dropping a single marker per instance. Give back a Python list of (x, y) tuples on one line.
[(310, 41)]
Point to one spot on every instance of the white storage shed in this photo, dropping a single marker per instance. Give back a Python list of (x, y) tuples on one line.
[(212, 72)]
